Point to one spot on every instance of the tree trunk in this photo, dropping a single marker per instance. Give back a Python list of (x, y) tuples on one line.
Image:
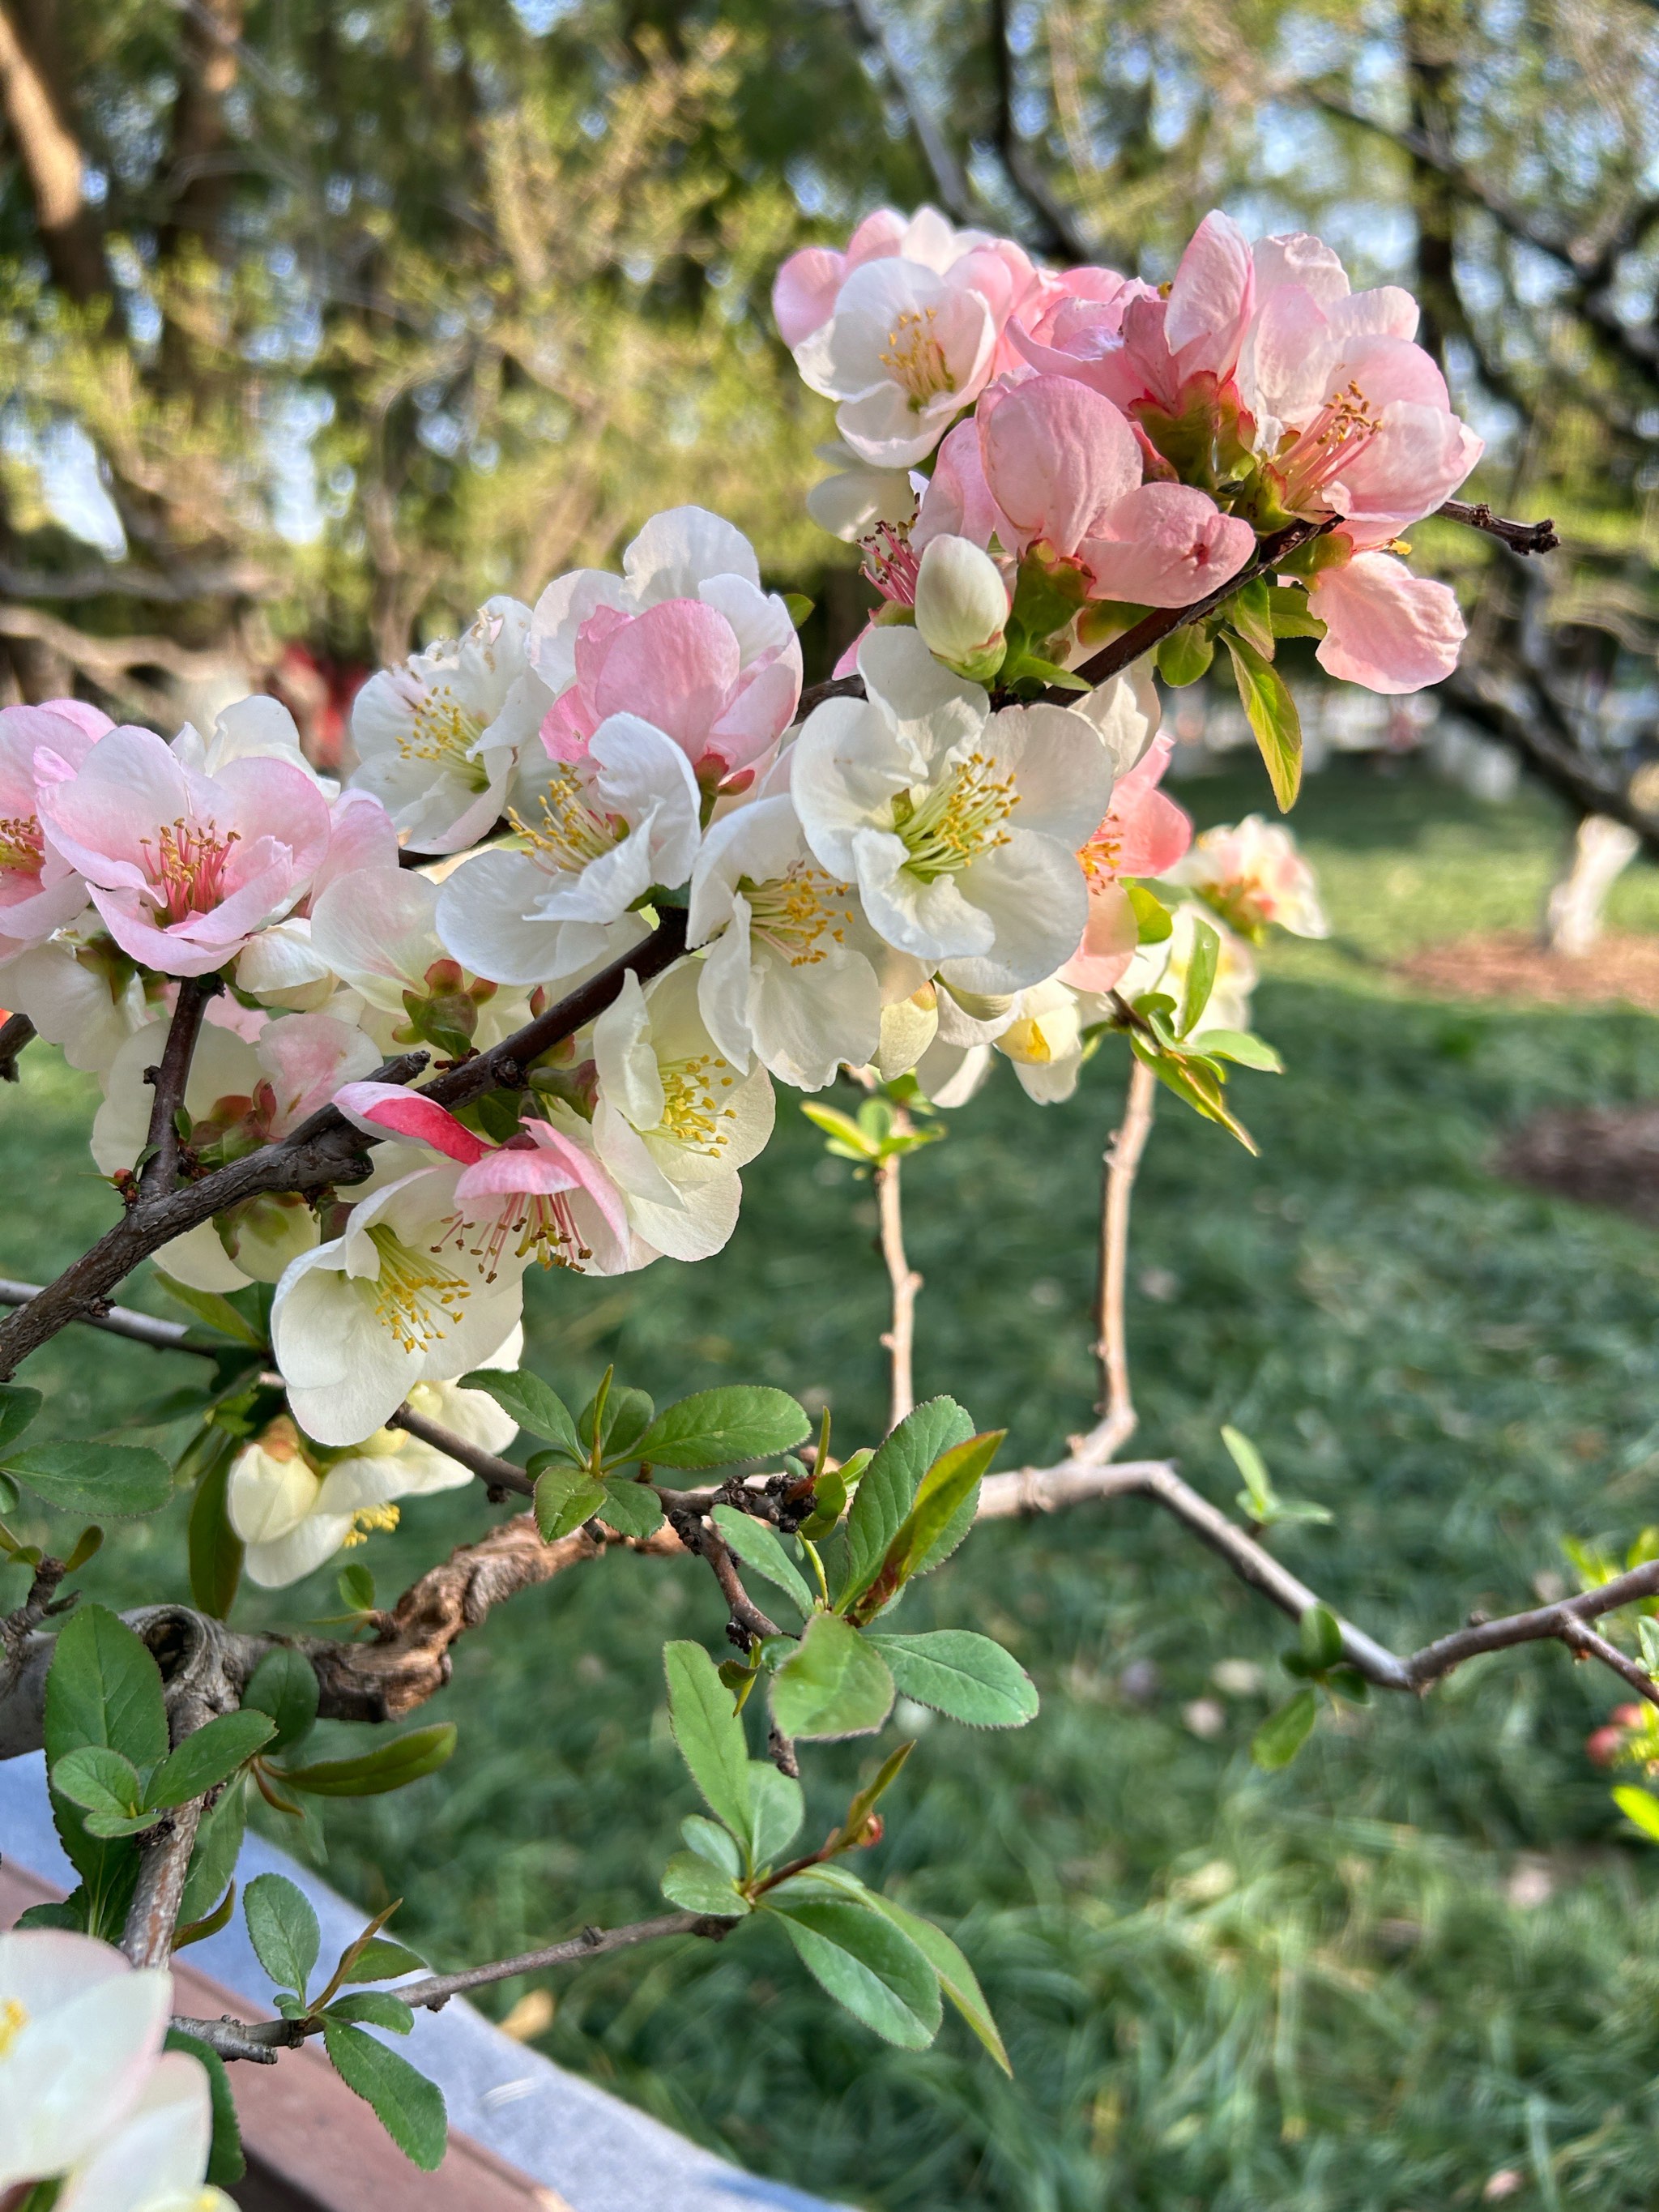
[(1601, 851)]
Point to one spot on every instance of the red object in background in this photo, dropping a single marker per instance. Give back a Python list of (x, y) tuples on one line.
[(317, 692)]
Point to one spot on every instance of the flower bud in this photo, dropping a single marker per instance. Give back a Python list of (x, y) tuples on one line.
[(962, 605)]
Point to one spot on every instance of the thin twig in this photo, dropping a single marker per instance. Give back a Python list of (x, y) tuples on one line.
[(707, 1540), (500, 1475), (119, 1320), (164, 1856), (16, 1031), (899, 1339), (1519, 537), (163, 1143), (1588, 1645), (1123, 1164)]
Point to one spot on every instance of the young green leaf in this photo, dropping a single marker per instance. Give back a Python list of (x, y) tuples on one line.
[(104, 1688), (757, 1543), (107, 1787), (1239, 1046), (862, 1958), (1640, 1807), (624, 1417), (18, 1406), (1153, 921), (1185, 654), (408, 2107), (848, 1141), (956, 1976), (888, 1488), (216, 1311), (832, 1684), (709, 1734), (283, 1930), (122, 1479), (381, 1960), (531, 1404), (740, 1420), (198, 1931), (1200, 975), (215, 1550), (207, 1757), (1249, 611), (1272, 716), (565, 1498), (779, 1809), (1283, 1734), (1290, 613), (632, 1508), (356, 1585), (712, 1843), (1257, 1498), (284, 1685), (690, 1882), (940, 1517), (375, 2009), (962, 1675), (1321, 1635), (392, 1765)]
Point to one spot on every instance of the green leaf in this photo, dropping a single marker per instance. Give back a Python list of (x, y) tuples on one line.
[(216, 1549), (863, 1959), (847, 1139), (832, 1684), (690, 1882), (956, 1976), (107, 1787), (284, 1685), (1291, 615), (1250, 612), (1246, 1050), (226, 2163), (408, 2107), (740, 1420), (779, 1809), (1283, 1734), (18, 1406), (381, 1960), (962, 1675), (633, 1509), (531, 1404), (186, 1932), (710, 1735), (1201, 967), (1258, 1498), (101, 1479), (1272, 716), (283, 1930), (104, 1688), (712, 1843), (625, 1417), (216, 1310), (564, 1499), (1640, 1807), (376, 2008), (939, 1520), (889, 1486), (213, 1862), (356, 1585), (1185, 654), (392, 1765), (207, 1757), (757, 1544), (1321, 1635), (1153, 920)]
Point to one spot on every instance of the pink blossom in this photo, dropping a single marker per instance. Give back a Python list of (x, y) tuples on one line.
[(184, 868), (1385, 628), (1145, 833), (682, 665), (804, 290), (542, 1192), (39, 890)]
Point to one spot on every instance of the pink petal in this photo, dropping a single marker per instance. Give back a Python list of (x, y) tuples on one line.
[(759, 715), (1166, 545), (1152, 831), (1056, 456), (388, 1109), (1210, 299), (804, 292), (1110, 939), (957, 502), (676, 667), (1385, 628)]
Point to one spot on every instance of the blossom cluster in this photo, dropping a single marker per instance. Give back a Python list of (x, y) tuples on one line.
[(88, 2098), (940, 863)]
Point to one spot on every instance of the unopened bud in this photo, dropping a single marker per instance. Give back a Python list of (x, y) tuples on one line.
[(962, 607)]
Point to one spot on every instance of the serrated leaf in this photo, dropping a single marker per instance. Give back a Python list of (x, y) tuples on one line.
[(284, 1685), (690, 1882), (757, 1544), (863, 1959), (714, 1428), (710, 1735), (779, 1808), (1271, 714), (372, 2009), (626, 1416), (713, 1843), (1249, 611), (533, 1405), (381, 1959), (103, 1687), (941, 1516), (1640, 1807), (408, 2107), (957, 1978), (213, 1862), (217, 1311), (1283, 1734), (962, 1675), (834, 1684), (283, 1930), (18, 1406), (564, 1499), (888, 1487), (107, 1787), (392, 1765), (122, 1480), (632, 1508), (207, 1757)]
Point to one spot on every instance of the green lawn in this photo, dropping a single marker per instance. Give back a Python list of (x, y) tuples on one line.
[(1426, 1952)]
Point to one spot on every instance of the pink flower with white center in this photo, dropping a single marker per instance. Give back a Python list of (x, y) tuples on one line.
[(1252, 875), (185, 869), (39, 891), (807, 286), (541, 1196), (1145, 833), (905, 350), (1385, 628)]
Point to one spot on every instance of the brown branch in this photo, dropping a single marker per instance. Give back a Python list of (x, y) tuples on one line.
[(163, 1143), (500, 1475), (950, 181), (324, 1150), (119, 1321), (706, 1541), (17, 1031), (1519, 537), (1123, 1164), (52, 162)]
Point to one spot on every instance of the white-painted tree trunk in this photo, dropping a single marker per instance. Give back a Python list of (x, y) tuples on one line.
[(1601, 851)]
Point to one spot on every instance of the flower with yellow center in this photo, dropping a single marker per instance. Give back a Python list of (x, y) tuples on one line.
[(959, 829), (80, 2035), (905, 349)]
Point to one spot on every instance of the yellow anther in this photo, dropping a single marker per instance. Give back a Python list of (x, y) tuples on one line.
[(22, 842), (794, 912), (185, 866), (417, 1302), (916, 358), (13, 2021), (958, 820), (376, 1520), (444, 730), (571, 832)]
